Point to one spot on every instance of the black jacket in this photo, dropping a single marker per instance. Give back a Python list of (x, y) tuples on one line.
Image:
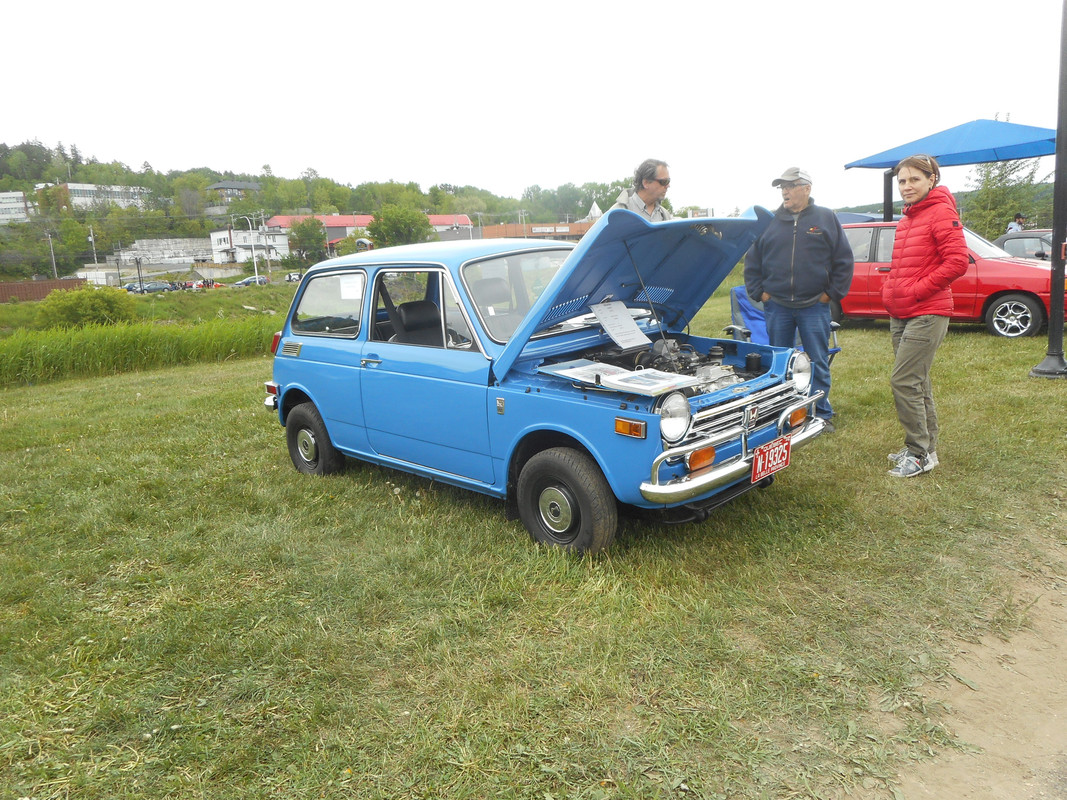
[(796, 261)]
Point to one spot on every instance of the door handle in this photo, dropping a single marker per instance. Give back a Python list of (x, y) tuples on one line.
[(881, 269), (366, 362)]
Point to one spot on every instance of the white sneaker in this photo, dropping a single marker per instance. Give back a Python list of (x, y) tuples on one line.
[(896, 458), (910, 466)]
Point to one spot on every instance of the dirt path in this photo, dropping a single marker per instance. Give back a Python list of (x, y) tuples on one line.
[(1009, 702)]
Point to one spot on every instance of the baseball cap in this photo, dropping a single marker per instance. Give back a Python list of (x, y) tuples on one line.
[(792, 175)]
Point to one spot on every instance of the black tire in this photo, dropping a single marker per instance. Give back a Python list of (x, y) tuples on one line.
[(1014, 315), (310, 447), (565, 501)]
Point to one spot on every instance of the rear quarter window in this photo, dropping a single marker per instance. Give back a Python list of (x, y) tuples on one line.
[(331, 305)]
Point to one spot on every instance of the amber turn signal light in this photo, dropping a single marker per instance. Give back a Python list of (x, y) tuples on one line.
[(630, 427), (796, 419), (698, 459)]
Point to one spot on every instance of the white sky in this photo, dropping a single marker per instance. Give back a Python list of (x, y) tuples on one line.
[(503, 95)]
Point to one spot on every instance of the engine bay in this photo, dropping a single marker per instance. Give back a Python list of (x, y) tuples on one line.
[(722, 365)]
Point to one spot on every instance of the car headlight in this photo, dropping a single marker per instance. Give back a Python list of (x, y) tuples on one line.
[(800, 370), (674, 417)]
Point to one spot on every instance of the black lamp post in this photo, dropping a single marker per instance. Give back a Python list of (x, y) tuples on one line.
[(1054, 365)]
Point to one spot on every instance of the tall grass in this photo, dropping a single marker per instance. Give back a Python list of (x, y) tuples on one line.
[(32, 357)]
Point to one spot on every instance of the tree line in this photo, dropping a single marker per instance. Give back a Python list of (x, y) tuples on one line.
[(177, 205)]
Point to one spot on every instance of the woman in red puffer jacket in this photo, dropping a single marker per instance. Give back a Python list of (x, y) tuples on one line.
[(929, 252)]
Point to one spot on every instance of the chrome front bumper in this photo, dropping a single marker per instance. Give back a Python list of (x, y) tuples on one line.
[(688, 487)]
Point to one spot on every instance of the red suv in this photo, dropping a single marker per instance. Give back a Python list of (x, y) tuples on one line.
[(1010, 295)]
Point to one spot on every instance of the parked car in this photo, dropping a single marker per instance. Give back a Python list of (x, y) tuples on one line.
[(157, 286), (1027, 244), (1010, 295), (253, 280), (560, 377), (293, 277)]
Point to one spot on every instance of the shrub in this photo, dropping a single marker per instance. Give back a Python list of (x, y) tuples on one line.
[(89, 305)]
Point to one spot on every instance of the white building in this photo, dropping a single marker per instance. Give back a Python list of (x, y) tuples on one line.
[(15, 207), (234, 245), (85, 195)]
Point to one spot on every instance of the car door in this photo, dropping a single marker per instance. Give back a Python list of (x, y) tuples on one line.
[(424, 382), (878, 272), (858, 300), (323, 354)]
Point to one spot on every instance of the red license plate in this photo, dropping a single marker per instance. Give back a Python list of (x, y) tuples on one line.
[(768, 458)]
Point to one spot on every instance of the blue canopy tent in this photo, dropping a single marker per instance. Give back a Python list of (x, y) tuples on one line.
[(976, 142)]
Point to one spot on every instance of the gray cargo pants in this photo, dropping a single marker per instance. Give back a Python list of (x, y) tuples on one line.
[(915, 341)]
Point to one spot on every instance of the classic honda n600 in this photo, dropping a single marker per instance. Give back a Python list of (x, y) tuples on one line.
[(560, 377)]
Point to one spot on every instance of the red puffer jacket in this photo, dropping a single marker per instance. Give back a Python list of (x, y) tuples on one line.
[(929, 252)]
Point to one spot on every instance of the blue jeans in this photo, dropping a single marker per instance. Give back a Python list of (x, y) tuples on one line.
[(813, 325)]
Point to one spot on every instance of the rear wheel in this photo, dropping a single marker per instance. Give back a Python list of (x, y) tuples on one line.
[(565, 501), (1014, 315), (309, 445)]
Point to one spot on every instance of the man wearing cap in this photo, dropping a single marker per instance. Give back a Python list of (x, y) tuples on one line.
[(651, 179), (801, 263), (1016, 224)]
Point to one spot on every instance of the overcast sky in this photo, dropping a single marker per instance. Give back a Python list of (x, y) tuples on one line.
[(504, 96)]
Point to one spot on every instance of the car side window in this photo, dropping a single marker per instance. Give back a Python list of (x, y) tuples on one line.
[(859, 239), (884, 253), (419, 307), (331, 305)]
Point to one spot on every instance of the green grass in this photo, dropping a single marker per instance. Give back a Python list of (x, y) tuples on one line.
[(183, 615), (190, 307)]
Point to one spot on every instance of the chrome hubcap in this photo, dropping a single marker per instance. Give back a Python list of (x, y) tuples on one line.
[(556, 510), (305, 445)]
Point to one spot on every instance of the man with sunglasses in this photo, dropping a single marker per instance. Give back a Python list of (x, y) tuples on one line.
[(801, 263), (651, 180)]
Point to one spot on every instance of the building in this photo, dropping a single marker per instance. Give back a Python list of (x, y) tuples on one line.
[(228, 191), (236, 245), (15, 207), (86, 195), (452, 226), (570, 231)]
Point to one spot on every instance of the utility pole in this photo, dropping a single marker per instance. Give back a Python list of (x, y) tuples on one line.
[(52, 250)]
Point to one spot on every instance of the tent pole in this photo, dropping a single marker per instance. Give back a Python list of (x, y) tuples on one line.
[(887, 194), (1054, 366)]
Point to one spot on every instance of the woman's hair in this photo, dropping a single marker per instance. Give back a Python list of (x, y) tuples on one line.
[(646, 171), (925, 164)]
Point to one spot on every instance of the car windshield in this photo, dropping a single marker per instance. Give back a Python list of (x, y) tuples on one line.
[(983, 248), (504, 288)]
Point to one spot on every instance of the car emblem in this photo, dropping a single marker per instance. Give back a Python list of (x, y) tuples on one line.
[(751, 415)]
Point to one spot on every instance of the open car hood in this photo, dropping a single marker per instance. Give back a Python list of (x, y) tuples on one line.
[(674, 266)]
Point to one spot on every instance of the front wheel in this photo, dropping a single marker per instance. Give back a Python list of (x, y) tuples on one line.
[(309, 444), (565, 501), (1014, 315)]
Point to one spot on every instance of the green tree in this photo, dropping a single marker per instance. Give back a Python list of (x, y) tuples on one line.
[(89, 305), (307, 240), (1002, 189), (396, 225)]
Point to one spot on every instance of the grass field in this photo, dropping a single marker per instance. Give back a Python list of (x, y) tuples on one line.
[(182, 615)]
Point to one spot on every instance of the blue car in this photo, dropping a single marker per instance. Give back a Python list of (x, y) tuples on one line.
[(557, 376)]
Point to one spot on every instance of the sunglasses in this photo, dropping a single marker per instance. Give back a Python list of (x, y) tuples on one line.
[(788, 187), (663, 181)]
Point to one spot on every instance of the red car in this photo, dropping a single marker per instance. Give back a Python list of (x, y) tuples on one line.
[(1010, 295)]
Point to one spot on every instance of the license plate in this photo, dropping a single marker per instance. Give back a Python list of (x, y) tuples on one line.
[(769, 458)]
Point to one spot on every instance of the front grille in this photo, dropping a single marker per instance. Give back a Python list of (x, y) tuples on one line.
[(753, 411)]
